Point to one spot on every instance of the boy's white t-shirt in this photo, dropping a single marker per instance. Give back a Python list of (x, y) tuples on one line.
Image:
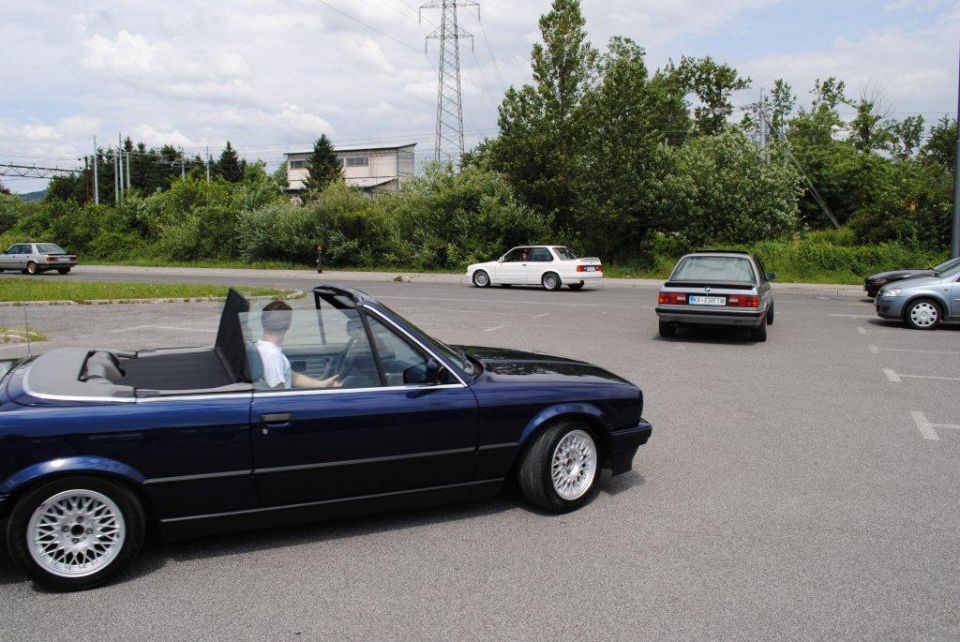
[(276, 366)]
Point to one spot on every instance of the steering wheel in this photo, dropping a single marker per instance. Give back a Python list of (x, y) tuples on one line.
[(348, 359)]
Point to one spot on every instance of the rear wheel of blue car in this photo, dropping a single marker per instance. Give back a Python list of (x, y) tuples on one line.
[(75, 533), (559, 472)]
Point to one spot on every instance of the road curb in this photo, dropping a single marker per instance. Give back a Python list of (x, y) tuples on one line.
[(295, 294)]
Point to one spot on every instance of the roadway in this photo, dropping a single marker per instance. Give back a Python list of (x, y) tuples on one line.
[(805, 487)]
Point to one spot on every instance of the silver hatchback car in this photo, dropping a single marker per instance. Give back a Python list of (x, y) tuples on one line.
[(922, 303), (717, 288), (33, 258)]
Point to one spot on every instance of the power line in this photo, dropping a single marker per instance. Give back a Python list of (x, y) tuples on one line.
[(370, 27)]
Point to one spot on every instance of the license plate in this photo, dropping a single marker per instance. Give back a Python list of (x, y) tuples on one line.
[(590, 268), (707, 300)]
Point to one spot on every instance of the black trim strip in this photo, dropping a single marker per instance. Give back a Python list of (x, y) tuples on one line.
[(502, 446), (369, 460), (183, 478), (339, 500), (708, 311)]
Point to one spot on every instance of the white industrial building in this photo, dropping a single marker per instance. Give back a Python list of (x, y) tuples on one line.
[(371, 168)]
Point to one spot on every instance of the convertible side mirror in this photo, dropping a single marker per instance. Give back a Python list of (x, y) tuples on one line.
[(771, 276), (428, 373)]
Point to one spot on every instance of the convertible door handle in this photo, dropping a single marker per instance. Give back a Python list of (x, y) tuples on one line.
[(276, 419)]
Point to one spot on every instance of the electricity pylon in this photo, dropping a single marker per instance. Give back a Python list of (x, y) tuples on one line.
[(449, 130)]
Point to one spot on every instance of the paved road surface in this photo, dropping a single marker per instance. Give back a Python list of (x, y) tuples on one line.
[(802, 488)]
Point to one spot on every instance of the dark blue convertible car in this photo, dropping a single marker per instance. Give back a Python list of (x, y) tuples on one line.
[(97, 445)]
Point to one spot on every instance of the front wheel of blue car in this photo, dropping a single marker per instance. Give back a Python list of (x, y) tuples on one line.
[(559, 472), (75, 533)]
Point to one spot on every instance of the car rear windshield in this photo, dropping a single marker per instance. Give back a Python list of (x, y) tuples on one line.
[(565, 254), (49, 248), (714, 268)]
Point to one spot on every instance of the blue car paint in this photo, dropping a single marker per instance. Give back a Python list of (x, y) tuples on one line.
[(211, 459)]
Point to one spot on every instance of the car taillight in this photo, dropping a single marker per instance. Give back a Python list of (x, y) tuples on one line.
[(51, 259), (589, 268), (744, 301), (672, 298)]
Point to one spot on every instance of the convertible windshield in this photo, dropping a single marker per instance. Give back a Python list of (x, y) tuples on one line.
[(457, 357), (954, 271), (714, 268), (565, 254), (49, 248)]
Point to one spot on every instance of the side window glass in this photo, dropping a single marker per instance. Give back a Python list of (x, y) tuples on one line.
[(513, 256), (402, 363), (541, 255), (763, 272)]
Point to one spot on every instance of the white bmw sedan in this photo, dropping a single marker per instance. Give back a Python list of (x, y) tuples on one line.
[(551, 266)]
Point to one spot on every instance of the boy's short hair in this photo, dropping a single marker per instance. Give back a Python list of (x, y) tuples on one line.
[(276, 317)]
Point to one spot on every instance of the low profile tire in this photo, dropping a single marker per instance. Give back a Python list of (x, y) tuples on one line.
[(561, 470), (759, 334), (770, 315), (75, 533), (63, 270), (31, 268), (922, 314), (575, 286), (481, 279), (551, 281), (667, 330)]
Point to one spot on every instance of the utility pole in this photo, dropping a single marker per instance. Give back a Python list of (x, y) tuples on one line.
[(128, 170), (183, 169), (120, 163), (208, 163), (116, 178), (955, 236), (449, 127), (96, 182)]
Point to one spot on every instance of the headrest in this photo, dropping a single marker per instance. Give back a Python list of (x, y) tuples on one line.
[(254, 363), (101, 365)]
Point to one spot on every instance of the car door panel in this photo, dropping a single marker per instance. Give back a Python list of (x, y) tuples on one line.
[(349, 443)]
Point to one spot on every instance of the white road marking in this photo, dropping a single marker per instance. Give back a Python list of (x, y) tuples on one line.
[(494, 328), (928, 429), (824, 298), (925, 427), (912, 350), (541, 315), (854, 316), (861, 330), (895, 377), (161, 327), (873, 349)]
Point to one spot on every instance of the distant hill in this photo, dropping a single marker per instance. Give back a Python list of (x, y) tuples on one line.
[(34, 196)]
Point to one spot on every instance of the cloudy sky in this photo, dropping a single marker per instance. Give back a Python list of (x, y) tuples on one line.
[(271, 75)]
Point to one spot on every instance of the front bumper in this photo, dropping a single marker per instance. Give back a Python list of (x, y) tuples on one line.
[(872, 288), (718, 317), (890, 308), (624, 445)]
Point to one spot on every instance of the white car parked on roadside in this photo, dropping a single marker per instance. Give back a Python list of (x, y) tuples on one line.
[(551, 266)]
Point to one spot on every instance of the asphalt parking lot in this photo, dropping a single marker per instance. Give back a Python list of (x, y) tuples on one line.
[(803, 488)]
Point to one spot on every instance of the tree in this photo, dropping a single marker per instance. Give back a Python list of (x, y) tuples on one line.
[(870, 130), (541, 133), (323, 165), (906, 137), (713, 84), (941, 146), (280, 175), (3, 189), (229, 166)]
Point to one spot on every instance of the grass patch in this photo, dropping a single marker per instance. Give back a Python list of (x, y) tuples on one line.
[(20, 335), (40, 289)]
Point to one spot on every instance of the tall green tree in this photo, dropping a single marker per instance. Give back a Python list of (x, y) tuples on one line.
[(907, 136), (323, 165), (3, 189), (541, 129), (713, 84), (229, 165), (941, 145)]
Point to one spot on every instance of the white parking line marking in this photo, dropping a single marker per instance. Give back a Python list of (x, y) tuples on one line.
[(925, 427), (541, 315), (861, 330), (161, 327), (873, 349), (854, 316), (895, 377), (912, 350), (494, 328)]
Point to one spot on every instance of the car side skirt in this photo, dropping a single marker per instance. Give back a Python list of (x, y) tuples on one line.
[(199, 525)]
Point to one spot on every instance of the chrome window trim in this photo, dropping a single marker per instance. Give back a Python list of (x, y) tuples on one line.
[(260, 394)]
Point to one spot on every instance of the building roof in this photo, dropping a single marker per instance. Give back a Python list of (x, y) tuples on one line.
[(355, 148)]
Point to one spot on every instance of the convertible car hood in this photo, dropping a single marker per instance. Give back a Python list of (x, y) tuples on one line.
[(504, 364)]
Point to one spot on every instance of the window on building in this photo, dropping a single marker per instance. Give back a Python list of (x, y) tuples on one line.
[(297, 164), (357, 161)]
